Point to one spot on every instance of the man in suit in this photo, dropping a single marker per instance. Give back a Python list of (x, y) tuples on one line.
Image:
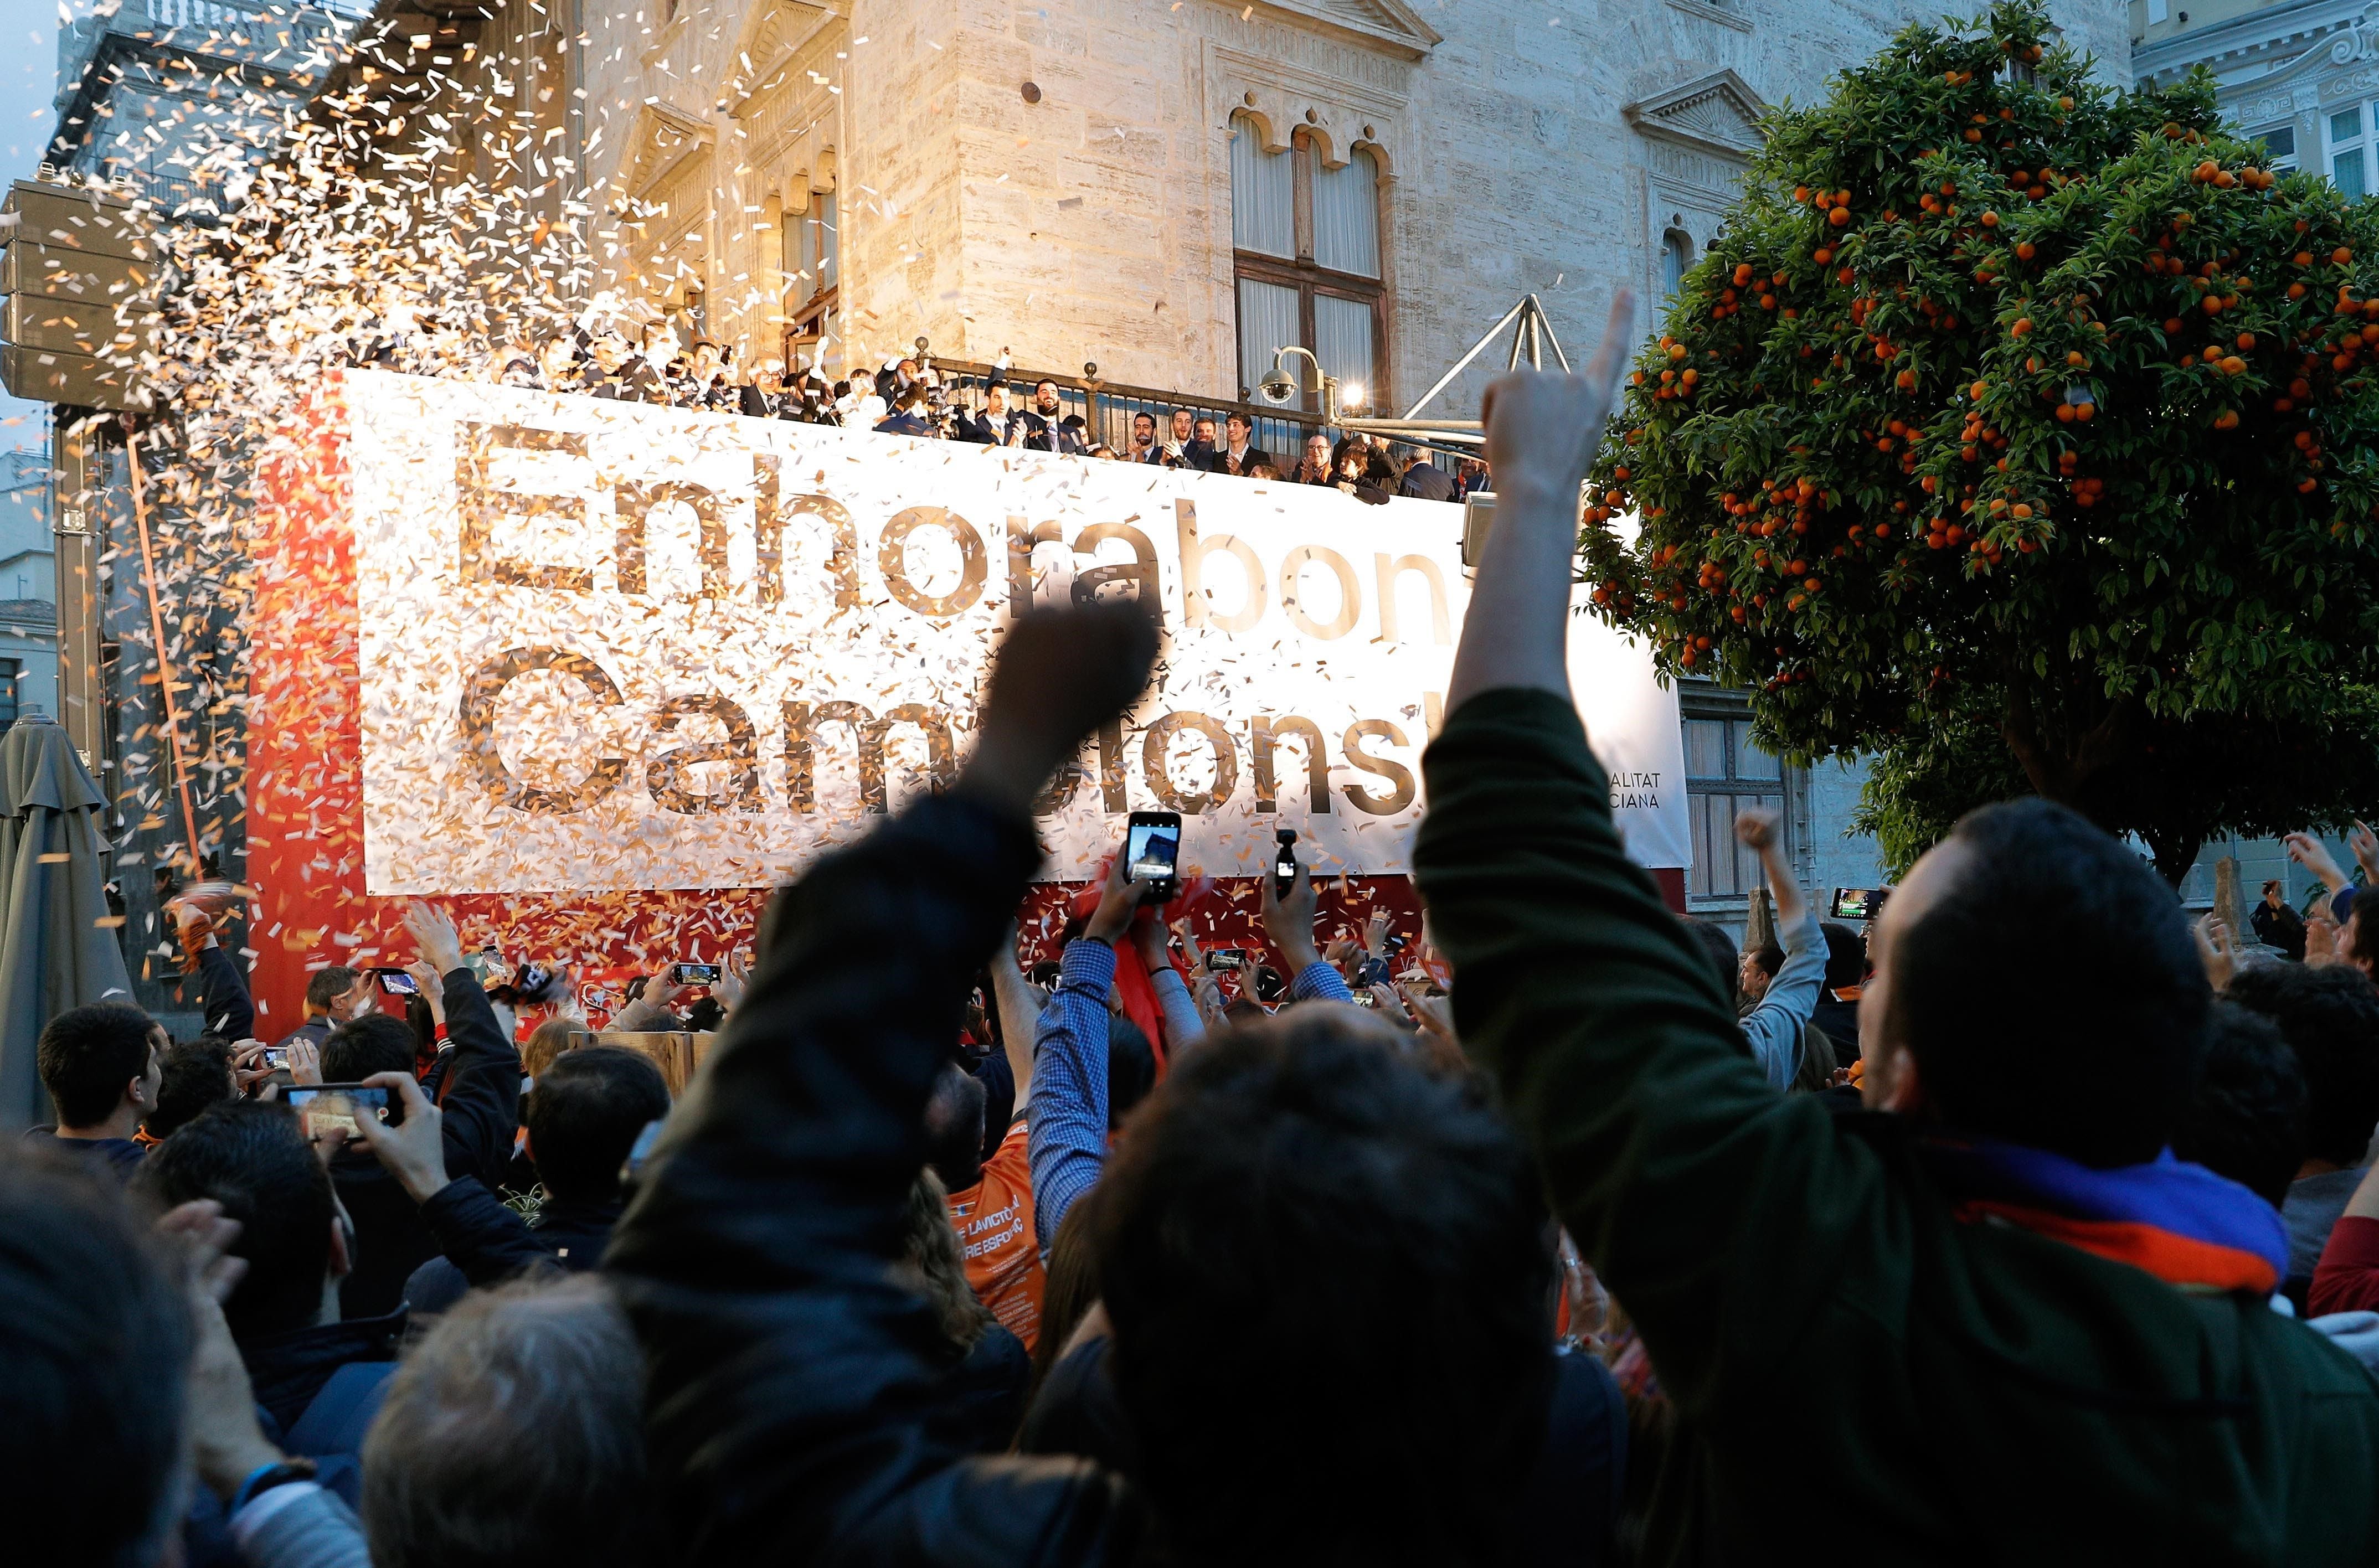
[(989, 426), (1203, 451), (1040, 423), (1424, 478), (1239, 453), (906, 418)]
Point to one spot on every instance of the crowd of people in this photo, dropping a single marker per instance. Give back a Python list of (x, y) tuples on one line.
[(2030, 1224), (913, 396)]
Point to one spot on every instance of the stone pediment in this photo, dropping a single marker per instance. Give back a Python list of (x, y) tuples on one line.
[(1391, 24), (664, 136), (1717, 114)]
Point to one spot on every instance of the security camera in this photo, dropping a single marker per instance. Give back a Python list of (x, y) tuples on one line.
[(1277, 389)]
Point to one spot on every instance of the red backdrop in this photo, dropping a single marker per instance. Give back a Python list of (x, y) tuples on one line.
[(304, 801)]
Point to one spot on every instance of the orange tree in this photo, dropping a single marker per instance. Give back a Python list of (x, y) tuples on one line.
[(2021, 433)]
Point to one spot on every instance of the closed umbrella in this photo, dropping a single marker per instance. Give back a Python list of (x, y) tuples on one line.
[(57, 945)]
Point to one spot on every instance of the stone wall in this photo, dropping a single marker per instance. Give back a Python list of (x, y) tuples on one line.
[(1094, 221)]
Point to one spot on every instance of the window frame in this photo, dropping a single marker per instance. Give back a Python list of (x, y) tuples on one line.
[(1309, 278), (2365, 143), (1788, 790), (810, 323)]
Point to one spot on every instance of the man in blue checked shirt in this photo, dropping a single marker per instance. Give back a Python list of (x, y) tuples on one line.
[(1068, 1115), (1776, 1027)]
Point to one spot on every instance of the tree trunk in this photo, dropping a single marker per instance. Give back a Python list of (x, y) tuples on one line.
[(2085, 770)]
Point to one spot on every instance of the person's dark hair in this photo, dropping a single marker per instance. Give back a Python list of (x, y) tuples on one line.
[(87, 1054), (1043, 381), (1719, 947), (2329, 1016), (1131, 1068), (513, 1437), (198, 1074), (954, 1128), (2127, 990), (584, 1116), (2247, 1118), (423, 1021), (1070, 1288), (95, 1352), (1845, 956), (2362, 945), (706, 1015), (1400, 1227), (1240, 1011), (327, 985), (252, 1157), (1768, 958), (361, 1047)]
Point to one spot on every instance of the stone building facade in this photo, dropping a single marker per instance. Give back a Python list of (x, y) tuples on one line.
[(1171, 189)]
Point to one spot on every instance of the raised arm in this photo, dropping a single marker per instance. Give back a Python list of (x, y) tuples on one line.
[(1018, 1003), (480, 1095), (1066, 1133), (1774, 1027), (1671, 1160), (1288, 921), (790, 1382)]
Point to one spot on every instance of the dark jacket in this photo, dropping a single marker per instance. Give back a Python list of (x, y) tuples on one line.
[(1838, 1019), (980, 1401), (1850, 1361), (287, 1369), (483, 1241), (1568, 1514), (122, 1156), (1043, 434), (481, 1098), (1428, 482), (904, 425), (223, 1000), (2281, 927), (1221, 462), (791, 1382), (314, 1031)]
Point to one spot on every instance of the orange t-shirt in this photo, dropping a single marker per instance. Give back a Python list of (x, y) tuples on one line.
[(993, 1219)]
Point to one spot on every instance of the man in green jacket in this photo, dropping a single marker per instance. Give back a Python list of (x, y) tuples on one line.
[(1988, 1318)]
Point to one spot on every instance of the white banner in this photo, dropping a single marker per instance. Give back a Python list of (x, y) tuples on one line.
[(612, 646)]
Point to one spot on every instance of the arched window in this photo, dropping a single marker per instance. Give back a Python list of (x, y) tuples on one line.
[(1676, 254), (1305, 239)]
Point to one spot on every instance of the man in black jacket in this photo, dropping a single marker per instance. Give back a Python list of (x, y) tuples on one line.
[(584, 1116), (790, 1381), (479, 1096)]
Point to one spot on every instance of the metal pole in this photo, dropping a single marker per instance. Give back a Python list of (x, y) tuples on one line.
[(74, 510)]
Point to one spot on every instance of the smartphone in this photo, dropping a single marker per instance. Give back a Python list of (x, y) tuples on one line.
[(1859, 903), (276, 1058), (1284, 862), (1152, 851), (322, 1106), (693, 974), (1220, 958), (397, 983)]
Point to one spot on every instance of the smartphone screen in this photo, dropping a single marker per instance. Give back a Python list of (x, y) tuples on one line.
[(397, 983), (1859, 903), (1151, 845), (321, 1107), (1220, 958), (693, 974)]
